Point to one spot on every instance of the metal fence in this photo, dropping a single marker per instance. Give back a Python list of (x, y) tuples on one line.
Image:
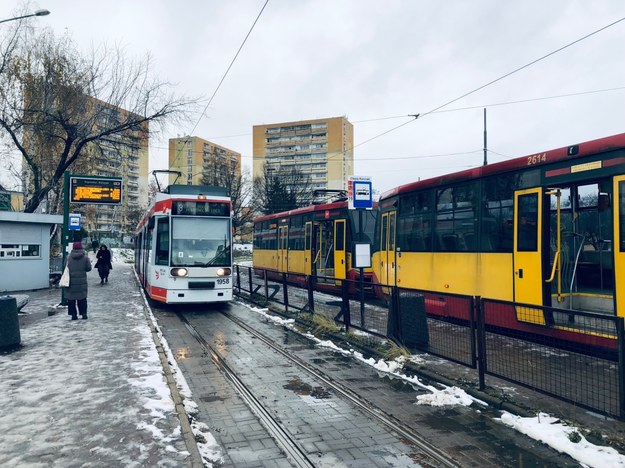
[(570, 355)]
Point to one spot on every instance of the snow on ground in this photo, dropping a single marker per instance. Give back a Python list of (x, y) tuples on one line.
[(543, 427), (209, 449)]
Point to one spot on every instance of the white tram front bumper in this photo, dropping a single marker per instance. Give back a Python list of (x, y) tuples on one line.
[(193, 296)]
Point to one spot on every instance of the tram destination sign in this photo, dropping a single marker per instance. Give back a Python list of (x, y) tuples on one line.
[(95, 190)]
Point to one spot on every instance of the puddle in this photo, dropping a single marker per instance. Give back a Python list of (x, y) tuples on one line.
[(211, 398), (304, 389)]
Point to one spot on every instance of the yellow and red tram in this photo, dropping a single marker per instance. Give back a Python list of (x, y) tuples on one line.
[(546, 229), (315, 241)]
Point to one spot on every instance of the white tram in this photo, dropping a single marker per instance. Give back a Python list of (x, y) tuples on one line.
[(183, 246)]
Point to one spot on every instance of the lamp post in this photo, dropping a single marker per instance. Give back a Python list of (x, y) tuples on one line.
[(36, 13)]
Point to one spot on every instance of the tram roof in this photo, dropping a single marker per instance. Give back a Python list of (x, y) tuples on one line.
[(303, 210), (560, 154)]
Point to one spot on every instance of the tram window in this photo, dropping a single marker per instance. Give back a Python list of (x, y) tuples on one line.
[(384, 232), (296, 233), (588, 196), (621, 223), (527, 230), (414, 223), (497, 233), (456, 217), (162, 241), (340, 236), (565, 199)]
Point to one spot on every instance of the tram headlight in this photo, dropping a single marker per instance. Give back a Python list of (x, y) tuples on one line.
[(224, 272), (179, 272)]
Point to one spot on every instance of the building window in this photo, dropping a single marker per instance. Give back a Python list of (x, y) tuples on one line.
[(13, 251)]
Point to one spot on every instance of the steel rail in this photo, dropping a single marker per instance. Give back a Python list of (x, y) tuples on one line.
[(296, 454), (375, 412)]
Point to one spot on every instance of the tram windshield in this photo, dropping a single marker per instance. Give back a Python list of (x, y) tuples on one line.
[(200, 242)]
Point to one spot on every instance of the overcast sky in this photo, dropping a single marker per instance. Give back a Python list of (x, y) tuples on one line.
[(377, 62)]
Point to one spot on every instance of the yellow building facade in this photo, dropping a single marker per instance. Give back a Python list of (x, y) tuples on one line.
[(321, 149), (201, 162)]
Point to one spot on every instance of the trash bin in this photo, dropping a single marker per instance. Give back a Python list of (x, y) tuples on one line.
[(407, 320), (9, 324)]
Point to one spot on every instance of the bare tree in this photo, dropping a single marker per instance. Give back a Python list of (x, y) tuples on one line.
[(277, 191), (238, 187), (57, 104)]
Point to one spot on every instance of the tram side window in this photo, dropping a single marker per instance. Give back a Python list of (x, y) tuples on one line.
[(257, 235), (497, 217), (162, 241), (456, 218), (296, 234), (414, 224), (621, 204), (340, 236), (270, 234), (527, 232)]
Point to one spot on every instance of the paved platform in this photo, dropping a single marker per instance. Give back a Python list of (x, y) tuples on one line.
[(89, 392)]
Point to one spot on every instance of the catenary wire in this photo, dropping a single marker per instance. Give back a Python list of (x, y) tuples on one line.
[(416, 116), (224, 75), (456, 109)]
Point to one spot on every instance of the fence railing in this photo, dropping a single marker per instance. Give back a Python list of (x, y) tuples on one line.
[(571, 355)]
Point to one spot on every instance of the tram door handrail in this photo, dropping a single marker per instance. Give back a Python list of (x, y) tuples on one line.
[(579, 251), (557, 259)]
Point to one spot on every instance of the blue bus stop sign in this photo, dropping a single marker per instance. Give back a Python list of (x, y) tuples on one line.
[(74, 222)]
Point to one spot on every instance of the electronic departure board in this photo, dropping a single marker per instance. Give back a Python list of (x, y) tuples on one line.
[(100, 190)]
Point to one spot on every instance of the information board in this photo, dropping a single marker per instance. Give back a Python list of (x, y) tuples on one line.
[(95, 190)]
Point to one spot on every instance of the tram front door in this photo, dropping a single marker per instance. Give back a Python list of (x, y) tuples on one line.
[(323, 234), (387, 250), (618, 246), (528, 274)]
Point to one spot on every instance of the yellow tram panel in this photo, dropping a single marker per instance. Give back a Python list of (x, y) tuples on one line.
[(296, 261), (264, 259), (472, 274)]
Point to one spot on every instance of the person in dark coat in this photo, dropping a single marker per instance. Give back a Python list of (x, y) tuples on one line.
[(104, 264), (94, 244), (78, 265)]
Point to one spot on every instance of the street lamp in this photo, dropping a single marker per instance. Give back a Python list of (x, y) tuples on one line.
[(37, 13)]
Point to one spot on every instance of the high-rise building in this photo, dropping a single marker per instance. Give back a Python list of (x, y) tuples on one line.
[(321, 149), (201, 162)]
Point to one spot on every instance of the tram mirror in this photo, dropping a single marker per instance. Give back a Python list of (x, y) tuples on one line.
[(604, 201)]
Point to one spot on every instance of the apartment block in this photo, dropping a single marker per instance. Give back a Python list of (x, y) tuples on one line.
[(201, 162), (322, 149)]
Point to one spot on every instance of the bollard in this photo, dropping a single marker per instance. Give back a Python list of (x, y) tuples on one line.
[(9, 324)]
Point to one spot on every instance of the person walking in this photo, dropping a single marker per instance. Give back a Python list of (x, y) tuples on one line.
[(104, 264), (94, 244), (78, 265)]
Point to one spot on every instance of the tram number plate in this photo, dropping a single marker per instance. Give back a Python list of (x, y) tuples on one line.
[(223, 280)]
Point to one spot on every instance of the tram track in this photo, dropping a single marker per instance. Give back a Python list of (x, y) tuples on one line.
[(355, 399), (296, 454), (285, 440)]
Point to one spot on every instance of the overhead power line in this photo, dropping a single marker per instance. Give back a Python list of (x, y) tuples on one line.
[(490, 82), (494, 104), (225, 74)]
